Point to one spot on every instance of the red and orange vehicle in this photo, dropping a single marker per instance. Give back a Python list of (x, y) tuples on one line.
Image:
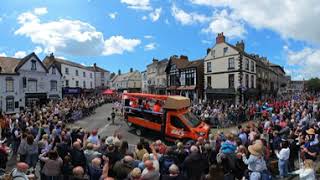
[(170, 116)]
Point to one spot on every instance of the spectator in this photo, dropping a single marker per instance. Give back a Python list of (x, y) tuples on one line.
[(174, 174), (52, 166), (283, 157), (193, 165), (307, 171)]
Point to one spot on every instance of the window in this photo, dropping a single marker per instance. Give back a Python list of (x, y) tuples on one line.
[(54, 70), (252, 66), (90, 84), (175, 121), (84, 74), (252, 81), (9, 85), (225, 51), (53, 86), (209, 67), (77, 72), (231, 63), (77, 83), (231, 80), (90, 75), (32, 85), (67, 83), (84, 84), (190, 77), (10, 104), (66, 70), (33, 65), (209, 81), (213, 53), (247, 81), (247, 64), (134, 84), (24, 82)]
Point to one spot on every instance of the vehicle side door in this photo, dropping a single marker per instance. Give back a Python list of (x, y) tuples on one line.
[(175, 127)]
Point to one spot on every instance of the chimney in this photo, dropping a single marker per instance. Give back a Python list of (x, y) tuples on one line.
[(131, 70), (183, 57), (240, 45), (155, 60), (208, 51), (119, 72), (95, 65), (51, 56), (220, 38)]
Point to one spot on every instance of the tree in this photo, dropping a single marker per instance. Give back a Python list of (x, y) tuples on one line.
[(313, 85)]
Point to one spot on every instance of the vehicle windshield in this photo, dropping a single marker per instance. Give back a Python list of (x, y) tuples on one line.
[(191, 119)]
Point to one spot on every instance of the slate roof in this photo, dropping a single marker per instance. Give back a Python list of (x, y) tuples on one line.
[(8, 65)]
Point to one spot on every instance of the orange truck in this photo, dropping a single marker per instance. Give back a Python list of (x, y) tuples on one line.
[(174, 121)]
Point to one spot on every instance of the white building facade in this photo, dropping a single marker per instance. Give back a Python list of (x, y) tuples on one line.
[(26, 82), (76, 78), (230, 73)]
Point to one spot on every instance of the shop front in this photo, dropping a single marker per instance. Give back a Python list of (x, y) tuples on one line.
[(37, 99), (71, 91)]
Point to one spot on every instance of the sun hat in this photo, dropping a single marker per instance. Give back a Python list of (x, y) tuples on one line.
[(311, 131), (256, 149)]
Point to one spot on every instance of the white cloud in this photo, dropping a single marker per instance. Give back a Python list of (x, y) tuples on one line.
[(20, 54), (148, 36), (118, 44), (306, 61), (150, 46), (70, 36), (40, 11), (1, 19), (138, 4), (291, 19), (3, 54), (206, 42), (61, 57), (226, 23), (187, 18), (38, 50), (144, 18), (155, 15), (113, 15)]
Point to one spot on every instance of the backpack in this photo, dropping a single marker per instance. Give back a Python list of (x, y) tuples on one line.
[(166, 163)]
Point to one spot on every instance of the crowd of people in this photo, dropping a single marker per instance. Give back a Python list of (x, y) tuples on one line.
[(283, 141)]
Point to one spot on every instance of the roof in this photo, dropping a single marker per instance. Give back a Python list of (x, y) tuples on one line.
[(124, 77), (97, 69), (25, 59), (51, 59), (11, 65), (8, 65)]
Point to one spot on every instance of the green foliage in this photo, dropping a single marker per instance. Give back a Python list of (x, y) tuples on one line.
[(313, 84)]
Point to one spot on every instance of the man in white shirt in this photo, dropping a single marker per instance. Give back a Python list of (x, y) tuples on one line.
[(283, 157)]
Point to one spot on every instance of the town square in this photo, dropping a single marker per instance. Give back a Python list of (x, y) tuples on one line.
[(159, 90)]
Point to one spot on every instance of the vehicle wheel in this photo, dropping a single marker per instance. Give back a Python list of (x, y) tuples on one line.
[(138, 132)]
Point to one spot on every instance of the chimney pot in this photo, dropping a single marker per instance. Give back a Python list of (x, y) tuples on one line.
[(183, 57), (220, 38), (208, 51)]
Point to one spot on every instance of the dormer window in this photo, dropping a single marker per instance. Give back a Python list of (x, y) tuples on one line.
[(33, 65), (53, 70)]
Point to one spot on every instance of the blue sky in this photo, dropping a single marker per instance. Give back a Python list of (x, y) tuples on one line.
[(120, 34)]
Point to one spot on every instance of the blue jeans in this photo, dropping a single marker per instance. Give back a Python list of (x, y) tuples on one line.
[(283, 167), (32, 159)]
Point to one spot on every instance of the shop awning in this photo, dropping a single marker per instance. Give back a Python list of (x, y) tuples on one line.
[(221, 91), (172, 88), (108, 92), (186, 88)]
